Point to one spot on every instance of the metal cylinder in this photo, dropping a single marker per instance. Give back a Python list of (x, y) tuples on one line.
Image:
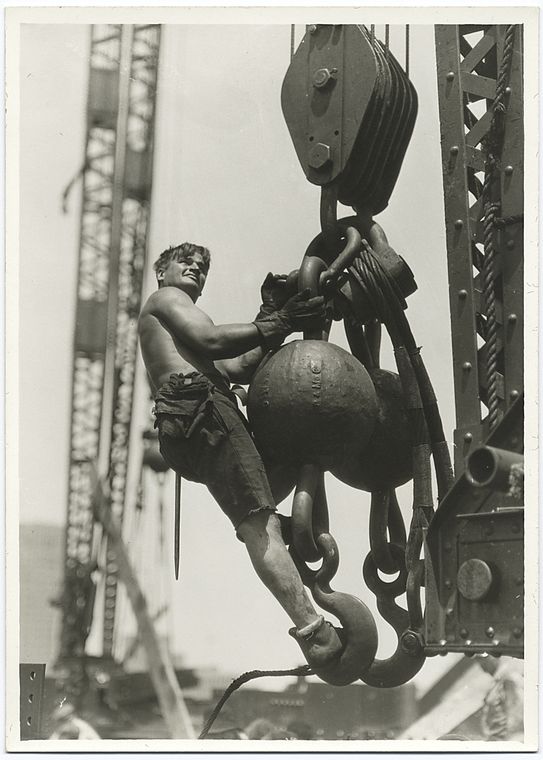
[(489, 467)]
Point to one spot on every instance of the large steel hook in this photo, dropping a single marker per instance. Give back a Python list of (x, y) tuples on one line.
[(409, 656), (358, 630)]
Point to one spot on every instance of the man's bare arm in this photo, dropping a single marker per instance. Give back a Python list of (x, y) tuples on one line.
[(242, 368), (191, 326)]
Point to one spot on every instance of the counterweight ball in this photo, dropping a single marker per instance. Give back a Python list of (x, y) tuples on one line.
[(311, 403), (387, 460)]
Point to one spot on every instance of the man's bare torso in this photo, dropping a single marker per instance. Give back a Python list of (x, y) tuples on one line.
[(163, 354)]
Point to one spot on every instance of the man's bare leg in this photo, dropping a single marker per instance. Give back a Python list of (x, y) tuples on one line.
[(261, 533)]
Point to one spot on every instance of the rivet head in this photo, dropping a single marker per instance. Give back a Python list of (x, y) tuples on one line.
[(466, 366), (450, 76), (512, 318), (464, 633), (508, 90), (474, 579), (517, 632), (510, 244), (458, 224), (312, 28), (454, 150), (514, 394), (490, 632), (468, 437), (448, 584), (508, 170), (462, 293)]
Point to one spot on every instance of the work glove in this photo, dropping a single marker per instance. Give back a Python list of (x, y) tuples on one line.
[(273, 293), (299, 313)]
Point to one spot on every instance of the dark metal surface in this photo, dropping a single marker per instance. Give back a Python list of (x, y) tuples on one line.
[(31, 689), (475, 525)]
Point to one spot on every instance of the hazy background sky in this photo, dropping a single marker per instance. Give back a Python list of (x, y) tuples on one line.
[(226, 175)]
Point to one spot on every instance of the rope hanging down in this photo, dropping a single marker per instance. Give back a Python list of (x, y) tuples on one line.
[(303, 670), (494, 144)]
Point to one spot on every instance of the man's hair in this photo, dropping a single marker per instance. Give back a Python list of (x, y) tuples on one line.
[(181, 253)]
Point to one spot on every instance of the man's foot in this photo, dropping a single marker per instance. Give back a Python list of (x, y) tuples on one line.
[(319, 641)]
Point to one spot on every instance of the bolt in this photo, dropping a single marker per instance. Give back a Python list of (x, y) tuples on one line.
[(490, 632), (411, 642), (450, 76), (508, 170), (312, 28), (458, 224), (319, 156), (464, 633), (512, 318), (466, 366), (454, 150), (323, 76), (468, 437), (462, 293)]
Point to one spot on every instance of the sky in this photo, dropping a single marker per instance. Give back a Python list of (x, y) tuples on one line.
[(226, 176)]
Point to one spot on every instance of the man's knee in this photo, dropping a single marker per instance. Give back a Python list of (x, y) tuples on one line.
[(259, 523)]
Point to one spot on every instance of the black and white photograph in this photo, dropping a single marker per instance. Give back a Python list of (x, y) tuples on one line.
[(271, 379)]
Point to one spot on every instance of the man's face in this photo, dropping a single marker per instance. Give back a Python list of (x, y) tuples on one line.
[(188, 275)]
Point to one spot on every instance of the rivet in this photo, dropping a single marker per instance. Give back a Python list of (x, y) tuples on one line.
[(468, 437), (508, 170), (510, 244), (312, 28), (464, 633), (508, 90), (514, 394), (450, 76), (265, 403), (454, 150), (466, 366), (490, 632), (458, 224), (463, 293), (450, 611), (517, 632), (519, 581), (443, 642), (512, 318), (448, 584)]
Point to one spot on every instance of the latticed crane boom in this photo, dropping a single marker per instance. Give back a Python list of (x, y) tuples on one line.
[(117, 181)]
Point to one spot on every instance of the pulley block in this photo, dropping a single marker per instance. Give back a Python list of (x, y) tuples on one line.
[(350, 109)]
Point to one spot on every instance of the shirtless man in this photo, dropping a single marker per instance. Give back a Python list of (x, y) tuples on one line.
[(204, 437)]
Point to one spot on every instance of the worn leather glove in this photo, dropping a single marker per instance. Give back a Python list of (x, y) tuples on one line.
[(299, 313), (273, 293)]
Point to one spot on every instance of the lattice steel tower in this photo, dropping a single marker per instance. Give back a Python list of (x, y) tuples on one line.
[(117, 181)]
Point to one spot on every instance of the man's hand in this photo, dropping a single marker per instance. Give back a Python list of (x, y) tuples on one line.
[(273, 293), (299, 313)]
